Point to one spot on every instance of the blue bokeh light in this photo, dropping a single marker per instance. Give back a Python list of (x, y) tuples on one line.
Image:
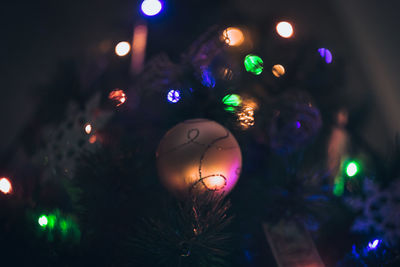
[(374, 244), (207, 79), (174, 96), (326, 54)]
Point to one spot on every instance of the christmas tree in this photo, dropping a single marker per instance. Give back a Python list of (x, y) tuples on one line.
[(235, 144)]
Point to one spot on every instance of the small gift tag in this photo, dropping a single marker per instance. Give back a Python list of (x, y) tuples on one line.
[(292, 245)]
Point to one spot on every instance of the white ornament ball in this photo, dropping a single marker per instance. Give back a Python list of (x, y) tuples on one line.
[(198, 155)]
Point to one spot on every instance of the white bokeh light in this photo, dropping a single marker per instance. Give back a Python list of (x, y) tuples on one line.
[(151, 7), (284, 29)]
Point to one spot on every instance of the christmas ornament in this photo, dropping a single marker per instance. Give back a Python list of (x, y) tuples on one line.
[(294, 124), (198, 155)]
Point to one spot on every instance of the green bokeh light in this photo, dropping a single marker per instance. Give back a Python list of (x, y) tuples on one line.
[(43, 221), (52, 221), (231, 101), (352, 169), (64, 226), (253, 64)]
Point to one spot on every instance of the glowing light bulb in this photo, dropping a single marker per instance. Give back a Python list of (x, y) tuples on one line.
[(151, 7), (326, 54), (174, 96), (93, 139), (43, 221), (122, 49), (88, 128), (278, 70), (351, 169), (374, 244), (284, 29), (117, 96), (231, 101), (233, 36), (5, 186), (253, 64)]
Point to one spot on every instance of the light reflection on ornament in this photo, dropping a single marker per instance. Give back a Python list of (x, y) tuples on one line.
[(298, 124), (215, 182), (174, 96), (118, 96), (151, 7), (253, 64), (5, 185), (326, 54), (88, 128), (284, 29), (122, 49), (278, 70), (233, 36)]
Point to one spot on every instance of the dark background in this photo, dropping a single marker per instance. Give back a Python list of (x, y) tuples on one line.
[(37, 36)]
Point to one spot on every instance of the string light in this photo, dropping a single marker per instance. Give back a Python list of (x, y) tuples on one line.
[(88, 128), (233, 36), (351, 169), (246, 114), (5, 186), (284, 29), (122, 49), (253, 64), (374, 244), (43, 221), (151, 7), (278, 70), (326, 54), (118, 96), (93, 139), (231, 101), (174, 96)]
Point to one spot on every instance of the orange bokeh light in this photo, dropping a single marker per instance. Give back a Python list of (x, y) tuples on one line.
[(278, 70), (93, 139), (5, 186), (233, 36), (118, 96)]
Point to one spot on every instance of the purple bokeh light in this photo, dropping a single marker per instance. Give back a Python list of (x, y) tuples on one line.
[(326, 54)]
